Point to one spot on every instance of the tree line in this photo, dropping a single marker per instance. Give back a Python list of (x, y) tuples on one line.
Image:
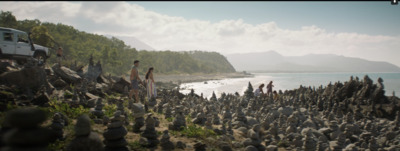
[(115, 56)]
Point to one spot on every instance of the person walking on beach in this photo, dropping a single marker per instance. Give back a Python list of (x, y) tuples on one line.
[(259, 91), (269, 88), (150, 84), (135, 79)]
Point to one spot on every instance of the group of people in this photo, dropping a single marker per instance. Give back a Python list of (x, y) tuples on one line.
[(135, 80), (259, 91)]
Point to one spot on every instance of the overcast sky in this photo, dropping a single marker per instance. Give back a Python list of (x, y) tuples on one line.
[(369, 30)]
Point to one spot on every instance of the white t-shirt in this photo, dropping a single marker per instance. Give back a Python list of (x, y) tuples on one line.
[(257, 92)]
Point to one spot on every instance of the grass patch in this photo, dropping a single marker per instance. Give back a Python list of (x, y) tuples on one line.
[(64, 108), (283, 143), (174, 133), (113, 96), (109, 109), (194, 131), (58, 145), (68, 94), (136, 146), (6, 93), (170, 119)]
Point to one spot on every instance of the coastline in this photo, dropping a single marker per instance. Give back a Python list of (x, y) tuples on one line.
[(174, 80), (188, 78)]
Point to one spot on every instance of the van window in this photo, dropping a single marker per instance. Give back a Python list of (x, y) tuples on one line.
[(8, 36), (23, 38)]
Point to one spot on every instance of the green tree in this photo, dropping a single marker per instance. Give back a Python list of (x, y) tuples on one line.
[(7, 19), (41, 36), (116, 57)]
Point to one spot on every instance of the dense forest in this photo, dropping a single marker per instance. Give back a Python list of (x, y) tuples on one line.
[(115, 56)]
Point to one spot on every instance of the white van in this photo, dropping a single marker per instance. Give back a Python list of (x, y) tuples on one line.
[(17, 45)]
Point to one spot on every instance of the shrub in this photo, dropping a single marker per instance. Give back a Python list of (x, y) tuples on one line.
[(64, 108), (109, 109), (136, 146), (195, 131)]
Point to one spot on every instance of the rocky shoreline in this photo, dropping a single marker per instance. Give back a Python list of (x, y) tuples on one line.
[(354, 115), (170, 81)]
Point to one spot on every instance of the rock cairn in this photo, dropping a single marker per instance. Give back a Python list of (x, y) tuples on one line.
[(253, 138), (166, 144), (26, 134), (57, 125), (115, 133), (179, 122), (168, 111), (151, 103), (138, 113), (98, 112), (149, 136), (84, 138)]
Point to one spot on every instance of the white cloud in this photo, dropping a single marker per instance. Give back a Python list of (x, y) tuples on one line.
[(164, 32)]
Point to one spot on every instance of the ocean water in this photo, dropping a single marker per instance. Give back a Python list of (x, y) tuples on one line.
[(287, 81)]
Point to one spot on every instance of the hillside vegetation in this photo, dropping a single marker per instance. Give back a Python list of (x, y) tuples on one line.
[(115, 56)]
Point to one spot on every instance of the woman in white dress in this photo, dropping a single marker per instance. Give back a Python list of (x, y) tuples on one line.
[(150, 84)]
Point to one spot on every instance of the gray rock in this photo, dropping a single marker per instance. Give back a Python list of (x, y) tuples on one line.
[(18, 117), (251, 148), (82, 127), (180, 145), (33, 78), (272, 148), (165, 143), (114, 135), (200, 146), (89, 143), (150, 132), (66, 74), (138, 110)]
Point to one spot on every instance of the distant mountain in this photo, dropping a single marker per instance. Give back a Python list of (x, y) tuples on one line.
[(272, 61), (134, 42)]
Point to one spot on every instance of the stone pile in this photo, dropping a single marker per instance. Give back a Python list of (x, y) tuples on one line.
[(115, 133), (98, 111), (138, 113), (149, 135), (85, 139), (151, 103), (253, 138), (57, 125), (165, 143), (354, 115), (26, 134), (179, 122)]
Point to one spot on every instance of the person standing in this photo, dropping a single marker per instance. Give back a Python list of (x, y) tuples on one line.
[(59, 55), (259, 91), (276, 96), (151, 86), (135, 79), (269, 88)]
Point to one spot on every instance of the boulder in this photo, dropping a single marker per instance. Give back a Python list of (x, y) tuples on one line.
[(33, 77), (66, 74), (120, 85)]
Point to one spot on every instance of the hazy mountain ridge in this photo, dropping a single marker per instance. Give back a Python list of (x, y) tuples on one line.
[(134, 42), (272, 61)]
